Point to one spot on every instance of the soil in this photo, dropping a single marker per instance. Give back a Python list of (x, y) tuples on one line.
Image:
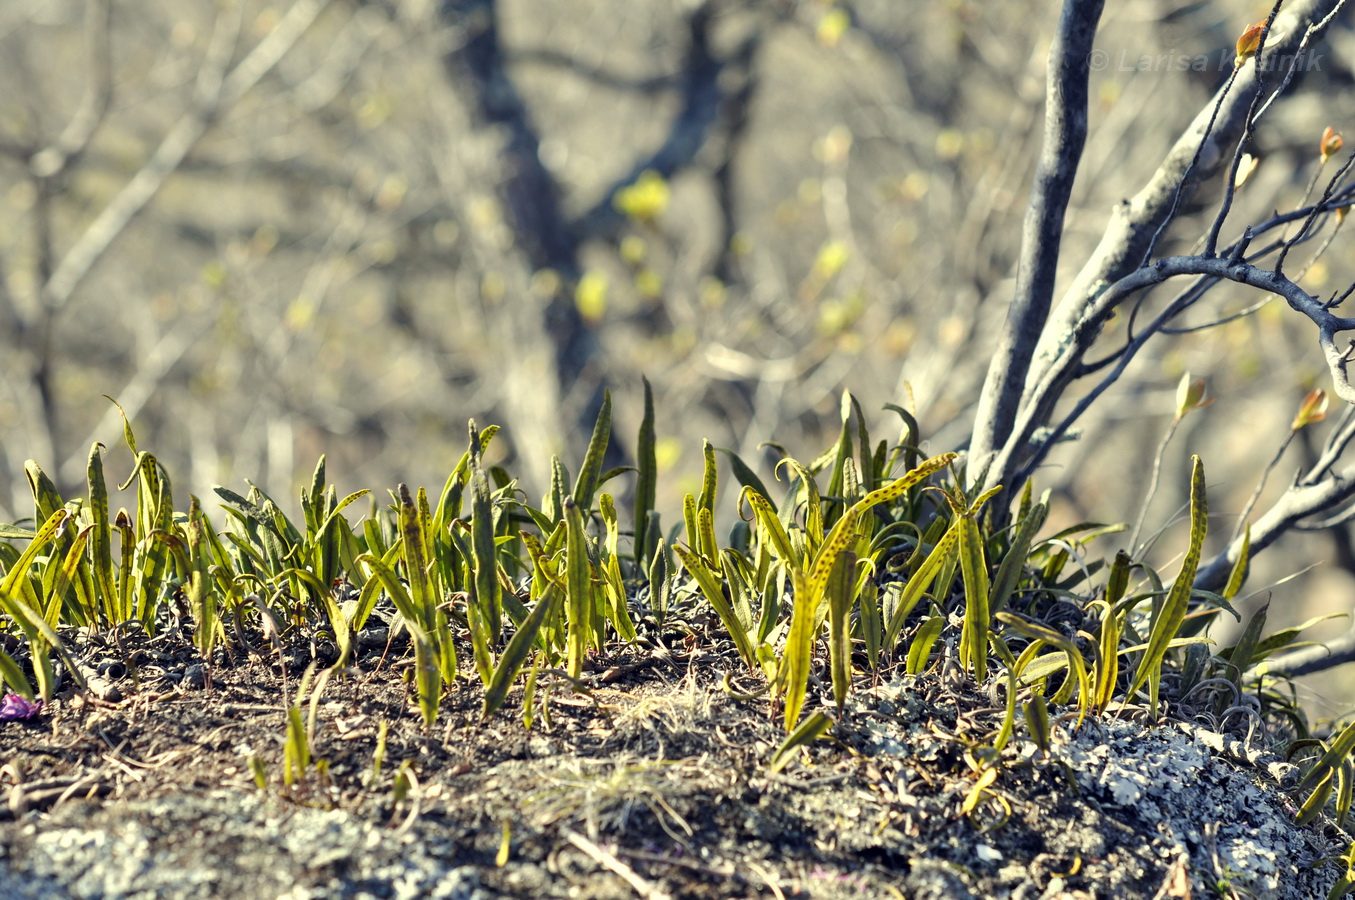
[(649, 779)]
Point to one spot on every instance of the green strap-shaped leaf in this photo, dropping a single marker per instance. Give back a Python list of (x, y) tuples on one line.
[(427, 678), (646, 482), (1004, 733), (101, 539), (842, 451), (660, 582), (841, 598), (866, 468), (587, 482), (872, 624), (1073, 656), (705, 535), (712, 587), (941, 558), (126, 601), (1317, 800), (518, 650), (14, 677), (745, 476), (1345, 792), (974, 569), (920, 650), (910, 440), (1338, 752), (74, 582), (1241, 654), (449, 503), (332, 553), (1238, 575), (1037, 721), (578, 589), (126, 425), (1173, 610), (1284, 638), (770, 529), (843, 535), (414, 542), (710, 482), (488, 595), (202, 600), (792, 675), (45, 496), (618, 613), (312, 498), (339, 625), (1014, 563), (809, 731), (689, 521), (554, 504), (1108, 658), (15, 583)]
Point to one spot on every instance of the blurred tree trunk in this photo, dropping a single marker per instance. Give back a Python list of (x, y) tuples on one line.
[(531, 198)]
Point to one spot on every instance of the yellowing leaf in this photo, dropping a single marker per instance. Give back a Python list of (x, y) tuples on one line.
[(1248, 43), (1312, 409), (832, 257), (1331, 143), (591, 296), (646, 199), (832, 26)]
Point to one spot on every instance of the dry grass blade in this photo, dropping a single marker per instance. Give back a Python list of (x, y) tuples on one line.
[(603, 858)]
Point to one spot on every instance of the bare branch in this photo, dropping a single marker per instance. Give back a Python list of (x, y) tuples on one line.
[(1065, 135), (1134, 222), (1297, 504), (700, 86), (1021, 453), (529, 190), (137, 391), (214, 95), (1307, 660), (56, 158)]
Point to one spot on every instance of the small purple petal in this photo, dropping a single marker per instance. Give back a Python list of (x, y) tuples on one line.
[(16, 708)]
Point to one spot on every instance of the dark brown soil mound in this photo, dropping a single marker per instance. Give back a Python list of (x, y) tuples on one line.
[(651, 780)]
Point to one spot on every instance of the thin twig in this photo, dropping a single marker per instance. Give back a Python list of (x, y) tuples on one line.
[(1261, 484), (1153, 481)]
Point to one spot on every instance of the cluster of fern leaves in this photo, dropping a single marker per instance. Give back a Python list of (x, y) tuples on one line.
[(871, 561)]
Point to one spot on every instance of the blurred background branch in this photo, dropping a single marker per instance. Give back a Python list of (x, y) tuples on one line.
[(348, 227)]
